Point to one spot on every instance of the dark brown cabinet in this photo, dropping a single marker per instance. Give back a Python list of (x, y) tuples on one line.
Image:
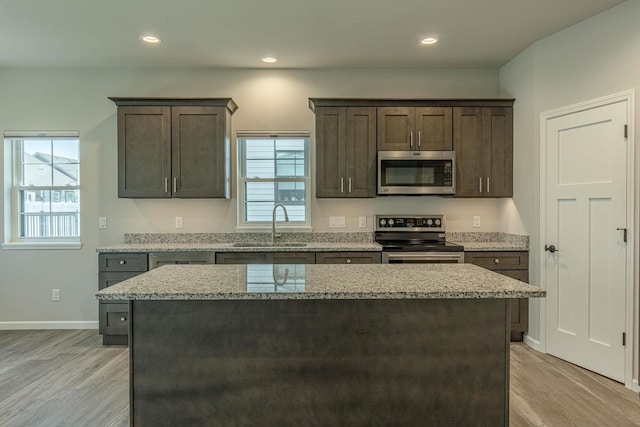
[(415, 128), (483, 142), (515, 265), (345, 152), (113, 316), (265, 258), (174, 147), (348, 258)]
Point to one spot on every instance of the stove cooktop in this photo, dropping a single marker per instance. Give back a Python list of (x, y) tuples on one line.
[(421, 247)]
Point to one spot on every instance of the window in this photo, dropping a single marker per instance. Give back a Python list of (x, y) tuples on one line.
[(273, 169), (45, 186)]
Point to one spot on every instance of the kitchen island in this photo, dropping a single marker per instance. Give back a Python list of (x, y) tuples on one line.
[(280, 345)]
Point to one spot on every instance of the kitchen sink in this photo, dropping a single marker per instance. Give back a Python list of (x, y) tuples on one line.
[(268, 245)]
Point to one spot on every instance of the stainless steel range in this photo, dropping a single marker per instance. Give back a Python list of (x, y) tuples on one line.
[(415, 239)]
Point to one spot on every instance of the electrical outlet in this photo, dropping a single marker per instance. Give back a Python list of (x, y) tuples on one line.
[(336, 221), (55, 295), (102, 222), (178, 222), (362, 222), (476, 222)]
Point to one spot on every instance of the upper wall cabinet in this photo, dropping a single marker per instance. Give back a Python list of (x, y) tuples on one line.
[(415, 128), (345, 152), (483, 141), (174, 147)]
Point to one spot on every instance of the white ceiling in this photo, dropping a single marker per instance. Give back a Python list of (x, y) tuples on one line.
[(301, 33)]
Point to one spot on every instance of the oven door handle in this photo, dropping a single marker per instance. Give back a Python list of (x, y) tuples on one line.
[(424, 256)]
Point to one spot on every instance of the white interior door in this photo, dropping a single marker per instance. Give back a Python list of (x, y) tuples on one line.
[(586, 176)]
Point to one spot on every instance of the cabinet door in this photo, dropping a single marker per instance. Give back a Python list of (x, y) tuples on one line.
[(360, 150), (348, 258), (291, 258), (498, 151), (434, 127), (241, 258), (468, 144), (200, 152), (396, 127), (144, 151), (502, 260), (330, 151)]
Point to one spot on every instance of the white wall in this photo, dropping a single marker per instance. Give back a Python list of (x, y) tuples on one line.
[(594, 58), (76, 99)]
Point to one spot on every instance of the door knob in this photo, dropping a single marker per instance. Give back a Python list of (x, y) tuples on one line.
[(550, 248)]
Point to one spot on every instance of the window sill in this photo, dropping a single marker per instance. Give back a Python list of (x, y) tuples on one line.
[(42, 246)]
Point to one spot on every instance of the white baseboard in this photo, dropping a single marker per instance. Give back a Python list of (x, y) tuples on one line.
[(534, 344), (635, 386), (7, 326)]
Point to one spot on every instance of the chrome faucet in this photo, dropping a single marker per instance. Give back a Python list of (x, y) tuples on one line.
[(273, 221)]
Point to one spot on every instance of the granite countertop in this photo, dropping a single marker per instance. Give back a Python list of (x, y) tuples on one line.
[(296, 281), (492, 246), (489, 241), (228, 247)]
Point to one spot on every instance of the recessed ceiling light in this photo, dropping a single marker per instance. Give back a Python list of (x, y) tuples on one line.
[(429, 40), (269, 59), (150, 39)]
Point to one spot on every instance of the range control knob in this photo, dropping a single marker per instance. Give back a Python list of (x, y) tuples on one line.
[(429, 222), (383, 222), (438, 222), (391, 222)]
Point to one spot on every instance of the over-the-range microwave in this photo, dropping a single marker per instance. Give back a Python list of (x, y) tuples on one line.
[(416, 172)]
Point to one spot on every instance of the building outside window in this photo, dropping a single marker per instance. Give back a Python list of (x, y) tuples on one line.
[(273, 168), (45, 187)]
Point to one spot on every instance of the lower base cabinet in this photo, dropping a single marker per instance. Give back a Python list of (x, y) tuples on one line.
[(298, 258), (515, 265)]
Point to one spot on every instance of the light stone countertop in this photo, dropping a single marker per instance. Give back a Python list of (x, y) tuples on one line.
[(296, 281), (228, 247), (492, 246)]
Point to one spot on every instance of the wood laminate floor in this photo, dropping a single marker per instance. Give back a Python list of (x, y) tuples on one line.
[(67, 378)]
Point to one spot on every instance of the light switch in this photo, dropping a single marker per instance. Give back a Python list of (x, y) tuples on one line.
[(336, 221), (476, 221), (362, 222), (178, 222), (102, 222)]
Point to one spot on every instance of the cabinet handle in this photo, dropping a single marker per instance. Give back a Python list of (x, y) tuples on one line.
[(122, 262), (419, 138), (411, 139), (481, 184), (497, 261), (123, 319), (348, 261), (342, 185), (166, 184), (488, 184), (349, 184), (175, 184)]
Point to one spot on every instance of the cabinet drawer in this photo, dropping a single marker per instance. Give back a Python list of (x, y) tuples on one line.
[(241, 258), (110, 278), (348, 258), (114, 318), (499, 260), (123, 262), (291, 258)]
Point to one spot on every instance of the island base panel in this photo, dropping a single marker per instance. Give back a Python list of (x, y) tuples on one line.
[(320, 362)]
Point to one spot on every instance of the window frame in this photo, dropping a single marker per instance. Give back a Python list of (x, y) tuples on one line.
[(14, 240), (242, 180)]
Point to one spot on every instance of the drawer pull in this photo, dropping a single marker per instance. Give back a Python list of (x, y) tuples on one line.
[(348, 261), (497, 261), (123, 319), (122, 262)]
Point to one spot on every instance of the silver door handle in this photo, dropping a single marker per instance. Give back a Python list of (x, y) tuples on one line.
[(481, 184), (175, 184), (166, 184), (488, 184), (349, 184), (419, 138), (411, 139), (342, 185)]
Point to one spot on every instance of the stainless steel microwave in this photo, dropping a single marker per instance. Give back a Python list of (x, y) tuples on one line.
[(416, 172)]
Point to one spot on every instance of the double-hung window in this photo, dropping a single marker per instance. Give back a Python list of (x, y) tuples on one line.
[(273, 168), (45, 186)]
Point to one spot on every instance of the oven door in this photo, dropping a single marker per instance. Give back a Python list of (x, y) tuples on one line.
[(416, 172), (422, 257)]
